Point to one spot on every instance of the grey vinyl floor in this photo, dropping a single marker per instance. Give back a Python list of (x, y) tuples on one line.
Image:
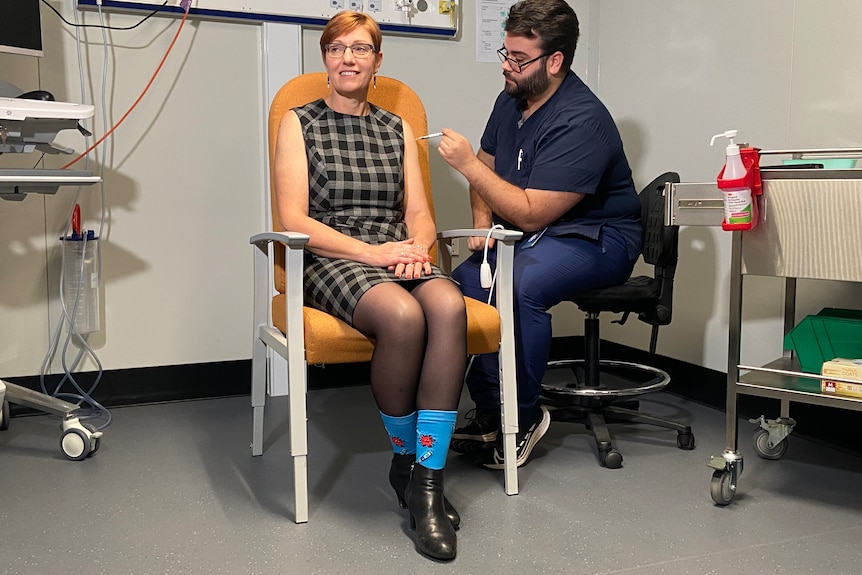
[(173, 489)]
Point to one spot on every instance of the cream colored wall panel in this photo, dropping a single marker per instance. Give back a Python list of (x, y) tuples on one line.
[(23, 295), (673, 74), (20, 71), (782, 73), (185, 195), (826, 89), (183, 182)]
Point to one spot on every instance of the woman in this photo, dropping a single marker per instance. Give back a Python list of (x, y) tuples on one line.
[(347, 174)]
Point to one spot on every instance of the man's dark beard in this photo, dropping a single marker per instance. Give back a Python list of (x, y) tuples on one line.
[(530, 86)]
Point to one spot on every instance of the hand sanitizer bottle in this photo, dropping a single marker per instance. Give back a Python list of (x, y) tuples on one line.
[(738, 208)]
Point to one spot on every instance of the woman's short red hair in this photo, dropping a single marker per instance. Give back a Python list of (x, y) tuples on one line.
[(348, 21)]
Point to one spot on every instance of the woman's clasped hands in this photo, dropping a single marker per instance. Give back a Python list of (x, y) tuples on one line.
[(407, 258)]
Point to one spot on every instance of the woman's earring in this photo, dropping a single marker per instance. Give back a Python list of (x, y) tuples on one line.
[(375, 81), (327, 81)]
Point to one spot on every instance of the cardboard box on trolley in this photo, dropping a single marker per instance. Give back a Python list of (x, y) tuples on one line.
[(842, 368)]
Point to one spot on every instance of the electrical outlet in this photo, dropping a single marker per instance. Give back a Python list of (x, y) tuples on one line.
[(455, 248), (356, 5), (336, 4), (374, 5)]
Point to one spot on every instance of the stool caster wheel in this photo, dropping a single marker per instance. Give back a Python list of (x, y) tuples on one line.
[(612, 459), (685, 440), (4, 416)]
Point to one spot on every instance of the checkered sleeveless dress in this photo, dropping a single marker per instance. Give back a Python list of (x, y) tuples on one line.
[(356, 186)]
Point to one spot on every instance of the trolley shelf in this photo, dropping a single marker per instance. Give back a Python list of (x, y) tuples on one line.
[(782, 379)]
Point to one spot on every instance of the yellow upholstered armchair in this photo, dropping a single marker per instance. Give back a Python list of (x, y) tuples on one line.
[(303, 335)]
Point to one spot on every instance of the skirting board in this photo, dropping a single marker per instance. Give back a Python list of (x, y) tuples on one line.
[(230, 378)]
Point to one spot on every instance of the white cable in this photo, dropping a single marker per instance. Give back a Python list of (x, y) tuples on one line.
[(487, 280), (469, 365)]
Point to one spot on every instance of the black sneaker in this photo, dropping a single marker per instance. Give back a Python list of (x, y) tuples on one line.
[(526, 441), (482, 427), (470, 447)]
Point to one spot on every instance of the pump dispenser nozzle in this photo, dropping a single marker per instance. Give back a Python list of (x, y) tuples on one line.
[(730, 135), (732, 148)]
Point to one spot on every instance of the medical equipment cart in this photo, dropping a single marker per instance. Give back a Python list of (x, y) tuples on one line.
[(808, 230), (30, 126), (77, 440)]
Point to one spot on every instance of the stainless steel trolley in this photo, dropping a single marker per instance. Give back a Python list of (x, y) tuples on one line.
[(808, 229)]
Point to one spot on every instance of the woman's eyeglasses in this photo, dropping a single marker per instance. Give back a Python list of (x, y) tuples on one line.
[(358, 50)]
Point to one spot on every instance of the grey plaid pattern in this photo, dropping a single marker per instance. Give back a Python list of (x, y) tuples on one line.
[(356, 186)]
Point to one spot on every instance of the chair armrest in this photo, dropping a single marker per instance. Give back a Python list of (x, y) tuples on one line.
[(292, 240), (264, 278), (507, 236), (504, 237)]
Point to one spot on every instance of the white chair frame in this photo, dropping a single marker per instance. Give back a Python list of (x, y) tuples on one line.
[(291, 347)]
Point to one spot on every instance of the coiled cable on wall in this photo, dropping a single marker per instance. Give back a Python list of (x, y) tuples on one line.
[(69, 387), (89, 407)]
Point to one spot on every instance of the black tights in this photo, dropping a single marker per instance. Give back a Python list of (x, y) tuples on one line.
[(420, 350)]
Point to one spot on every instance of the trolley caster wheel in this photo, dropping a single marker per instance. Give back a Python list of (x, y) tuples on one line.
[(685, 440), (4, 416), (75, 444), (612, 459), (764, 449), (721, 487), (95, 442)]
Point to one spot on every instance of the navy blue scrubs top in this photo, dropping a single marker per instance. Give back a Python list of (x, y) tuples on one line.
[(570, 144)]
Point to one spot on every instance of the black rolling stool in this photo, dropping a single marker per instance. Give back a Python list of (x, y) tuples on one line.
[(595, 391)]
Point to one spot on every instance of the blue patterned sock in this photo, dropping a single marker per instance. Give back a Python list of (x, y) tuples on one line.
[(434, 432), (402, 432)]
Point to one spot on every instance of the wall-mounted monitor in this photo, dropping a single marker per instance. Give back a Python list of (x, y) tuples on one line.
[(20, 27)]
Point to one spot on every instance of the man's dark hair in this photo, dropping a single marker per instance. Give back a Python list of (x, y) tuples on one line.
[(552, 21)]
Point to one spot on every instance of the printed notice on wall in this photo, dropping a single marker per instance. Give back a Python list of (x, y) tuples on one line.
[(490, 19)]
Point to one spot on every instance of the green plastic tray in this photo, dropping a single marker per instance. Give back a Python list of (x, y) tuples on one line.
[(829, 334), (828, 163)]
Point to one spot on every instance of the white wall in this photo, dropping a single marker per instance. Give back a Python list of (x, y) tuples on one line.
[(185, 186), (674, 73), (183, 178)]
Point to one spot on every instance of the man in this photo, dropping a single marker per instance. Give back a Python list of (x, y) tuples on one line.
[(551, 164)]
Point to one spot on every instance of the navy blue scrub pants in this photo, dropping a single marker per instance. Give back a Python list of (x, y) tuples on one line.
[(545, 274)]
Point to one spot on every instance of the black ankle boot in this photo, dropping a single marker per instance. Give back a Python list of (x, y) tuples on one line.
[(399, 477), (435, 536)]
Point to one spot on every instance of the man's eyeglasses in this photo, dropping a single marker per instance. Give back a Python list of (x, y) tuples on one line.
[(516, 66), (358, 50)]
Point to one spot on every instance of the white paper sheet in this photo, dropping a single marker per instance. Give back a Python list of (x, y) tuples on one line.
[(490, 18)]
